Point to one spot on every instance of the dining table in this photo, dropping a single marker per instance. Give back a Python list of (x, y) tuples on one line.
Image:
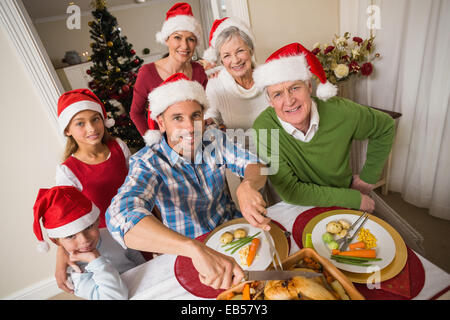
[(156, 278)]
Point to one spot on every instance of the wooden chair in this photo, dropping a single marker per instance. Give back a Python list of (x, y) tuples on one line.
[(358, 156)]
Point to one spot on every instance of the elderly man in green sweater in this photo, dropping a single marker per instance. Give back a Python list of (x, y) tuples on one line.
[(315, 134)]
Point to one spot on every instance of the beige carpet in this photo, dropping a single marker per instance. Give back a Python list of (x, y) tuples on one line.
[(434, 230)]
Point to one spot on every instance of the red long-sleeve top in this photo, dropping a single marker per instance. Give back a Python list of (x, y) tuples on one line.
[(148, 79)]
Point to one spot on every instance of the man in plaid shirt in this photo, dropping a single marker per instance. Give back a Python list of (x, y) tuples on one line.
[(181, 171)]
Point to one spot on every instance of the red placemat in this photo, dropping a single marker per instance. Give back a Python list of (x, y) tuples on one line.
[(404, 286), (187, 275), (302, 220)]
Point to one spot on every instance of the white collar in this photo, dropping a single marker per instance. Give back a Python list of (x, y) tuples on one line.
[(235, 89), (313, 125)]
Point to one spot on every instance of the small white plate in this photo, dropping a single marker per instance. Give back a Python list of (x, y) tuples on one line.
[(385, 248), (262, 259)]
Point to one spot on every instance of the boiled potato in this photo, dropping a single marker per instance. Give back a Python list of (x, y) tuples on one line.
[(240, 233), (334, 227), (343, 233), (226, 237), (344, 224)]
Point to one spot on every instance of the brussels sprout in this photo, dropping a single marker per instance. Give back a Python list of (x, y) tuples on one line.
[(327, 237), (333, 245)]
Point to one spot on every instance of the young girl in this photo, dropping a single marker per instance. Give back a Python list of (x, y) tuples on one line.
[(94, 162)]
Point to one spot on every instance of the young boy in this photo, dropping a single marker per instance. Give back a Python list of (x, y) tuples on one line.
[(71, 221)]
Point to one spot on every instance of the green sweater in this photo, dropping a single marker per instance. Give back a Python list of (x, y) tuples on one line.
[(318, 173)]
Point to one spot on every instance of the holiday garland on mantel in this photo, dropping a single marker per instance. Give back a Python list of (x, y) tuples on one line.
[(114, 72)]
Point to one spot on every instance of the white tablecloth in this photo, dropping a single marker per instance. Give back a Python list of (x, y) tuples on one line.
[(156, 278)]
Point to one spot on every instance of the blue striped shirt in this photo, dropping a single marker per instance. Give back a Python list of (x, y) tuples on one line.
[(193, 197)]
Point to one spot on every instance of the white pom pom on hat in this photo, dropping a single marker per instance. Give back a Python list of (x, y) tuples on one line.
[(152, 136), (42, 247), (293, 62), (326, 90), (110, 122)]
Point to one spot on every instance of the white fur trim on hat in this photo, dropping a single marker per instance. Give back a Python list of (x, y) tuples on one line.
[(75, 226), (179, 23), (152, 137), (67, 114), (280, 70), (170, 93), (326, 90)]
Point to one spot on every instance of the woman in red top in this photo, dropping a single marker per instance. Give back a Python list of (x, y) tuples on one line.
[(180, 33), (94, 162)]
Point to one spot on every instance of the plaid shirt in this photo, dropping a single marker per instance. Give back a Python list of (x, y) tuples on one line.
[(193, 198)]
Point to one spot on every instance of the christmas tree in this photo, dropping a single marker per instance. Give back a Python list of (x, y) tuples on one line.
[(114, 73)]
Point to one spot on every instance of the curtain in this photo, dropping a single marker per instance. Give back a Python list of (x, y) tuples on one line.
[(413, 78), (207, 18)]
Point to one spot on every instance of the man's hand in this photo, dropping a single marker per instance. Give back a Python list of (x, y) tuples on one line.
[(361, 186), (215, 269), (252, 205), (367, 203)]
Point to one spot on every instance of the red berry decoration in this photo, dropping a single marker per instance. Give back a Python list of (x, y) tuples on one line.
[(125, 88)]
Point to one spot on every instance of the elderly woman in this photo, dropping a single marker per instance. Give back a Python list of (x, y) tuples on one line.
[(234, 99), (180, 33), (235, 102)]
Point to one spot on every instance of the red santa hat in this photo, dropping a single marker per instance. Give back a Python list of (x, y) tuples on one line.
[(290, 63), (179, 18), (74, 101), (218, 26), (64, 211), (174, 89)]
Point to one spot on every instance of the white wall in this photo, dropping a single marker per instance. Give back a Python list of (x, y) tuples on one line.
[(30, 152), (276, 23)]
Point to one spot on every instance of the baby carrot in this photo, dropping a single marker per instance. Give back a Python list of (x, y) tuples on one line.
[(363, 253), (335, 251), (246, 292), (229, 295), (252, 251), (357, 245)]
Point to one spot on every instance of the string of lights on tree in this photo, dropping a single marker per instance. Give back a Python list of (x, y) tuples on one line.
[(114, 72)]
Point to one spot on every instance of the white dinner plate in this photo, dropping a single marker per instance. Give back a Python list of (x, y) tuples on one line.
[(385, 248), (262, 259)]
